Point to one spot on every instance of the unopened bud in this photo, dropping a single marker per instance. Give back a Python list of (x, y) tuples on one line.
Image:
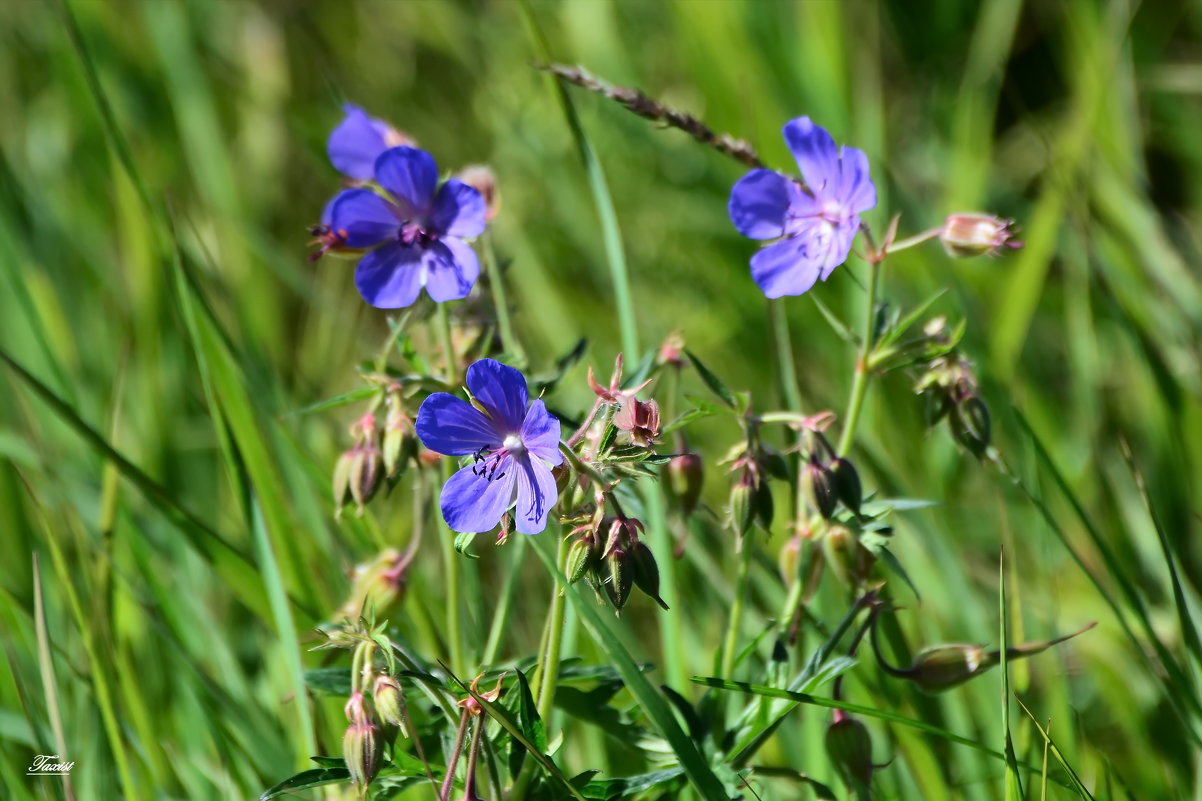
[(377, 585), (361, 745), (942, 667), (685, 475), (365, 473), (481, 178), (619, 578), (646, 571), (342, 481), (386, 693), (398, 444), (971, 425), (849, 748), (580, 558), (820, 487), (741, 508), (847, 483), (789, 562), (966, 235), (846, 556)]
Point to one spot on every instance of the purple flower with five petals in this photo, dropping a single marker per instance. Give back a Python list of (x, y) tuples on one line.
[(419, 227), (815, 224), (513, 445), (359, 140)]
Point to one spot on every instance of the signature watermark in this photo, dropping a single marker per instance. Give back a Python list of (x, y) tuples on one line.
[(49, 765)]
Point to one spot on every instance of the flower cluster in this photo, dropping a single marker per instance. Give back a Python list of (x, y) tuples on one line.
[(412, 228)]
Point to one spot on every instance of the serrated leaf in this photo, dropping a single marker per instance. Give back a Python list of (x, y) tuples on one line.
[(712, 381)]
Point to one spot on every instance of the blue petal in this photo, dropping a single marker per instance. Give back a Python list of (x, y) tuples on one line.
[(815, 151), (784, 268), (472, 504), (836, 247), (857, 193), (363, 218), (410, 175), (759, 204), (390, 277), (452, 426), (451, 269), (540, 433), (458, 210), (356, 143), (502, 390), (536, 495)]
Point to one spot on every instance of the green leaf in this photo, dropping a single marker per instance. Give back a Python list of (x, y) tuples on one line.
[(712, 381), (346, 398), (463, 542), (628, 786), (331, 681), (305, 780), (654, 706)]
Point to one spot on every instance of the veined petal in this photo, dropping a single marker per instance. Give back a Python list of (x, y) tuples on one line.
[(458, 210), (390, 277), (857, 192), (759, 204), (452, 426), (536, 495), (815, 151), (410, 175), (837, 246), (540, 433), (356, 143), (784, 268), (451, 269), (472, 504), (502, 390), (363, 218)]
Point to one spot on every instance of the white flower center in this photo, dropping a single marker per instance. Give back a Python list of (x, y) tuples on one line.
[(513, 444)]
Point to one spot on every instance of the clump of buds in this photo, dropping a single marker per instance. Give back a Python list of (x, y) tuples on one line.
[(951, 391), (849, 748), (379, 584), (611, 554), (973, 234), (398, 442), (358, 472), (361, 745), (828, 478), (942, 667), (750, 501)]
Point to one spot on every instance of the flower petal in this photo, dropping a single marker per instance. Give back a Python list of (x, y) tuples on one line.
[(536, 495), (390, 277), (815, 151), (472, 504), (502, 390), (759, 204), (784, 268), (458, 210), (835, 248), (451, 269), (410, 175), (363, 218), (857, 193), (540, 433), (452, 426), (356, 143)]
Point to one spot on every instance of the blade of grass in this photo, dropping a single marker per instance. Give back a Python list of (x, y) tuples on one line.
[(49, 683), (1013, 786)]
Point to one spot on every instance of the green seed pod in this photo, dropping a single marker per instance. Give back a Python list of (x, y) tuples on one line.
[(619, 579), (685, 475), (847, 557), (646, 572), (942, 667), (847, 483), (386, 692), (741, 508), (789, 562), (580, 558), (361, 746), (971, 425), (849, 748), (820, 487), (397, 444), (764, 507)]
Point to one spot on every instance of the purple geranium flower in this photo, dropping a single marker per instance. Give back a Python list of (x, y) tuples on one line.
[(510, 443), (419, 226), (358, 141), (815, 223)]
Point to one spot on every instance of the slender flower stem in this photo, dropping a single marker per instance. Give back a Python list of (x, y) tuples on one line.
[(454, 613), (497, 282), (448, 345), (731, 643), (444, 793), (911, 241), (784, 354), (860, 383), (548, 674)]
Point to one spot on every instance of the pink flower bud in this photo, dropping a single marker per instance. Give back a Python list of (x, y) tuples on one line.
[(967, 235)]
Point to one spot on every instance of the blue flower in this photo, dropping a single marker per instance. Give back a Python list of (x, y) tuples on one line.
[(419, 227), (358, 141), (513, 445), (815, 224)]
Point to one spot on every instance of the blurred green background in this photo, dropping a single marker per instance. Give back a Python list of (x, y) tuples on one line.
[(175, 676)]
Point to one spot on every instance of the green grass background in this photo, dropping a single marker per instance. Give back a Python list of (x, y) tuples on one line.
[(174, 650)]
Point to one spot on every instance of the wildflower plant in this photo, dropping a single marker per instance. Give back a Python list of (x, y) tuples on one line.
[(609, 495)]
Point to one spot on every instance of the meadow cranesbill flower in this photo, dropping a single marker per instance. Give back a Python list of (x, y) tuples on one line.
[(419, 228), (513, 443), (359, 140), (815, 223)]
